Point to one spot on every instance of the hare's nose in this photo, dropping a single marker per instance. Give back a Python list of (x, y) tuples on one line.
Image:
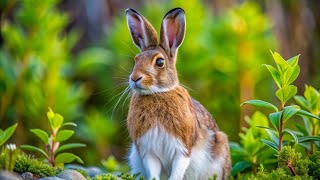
[(134, 79)]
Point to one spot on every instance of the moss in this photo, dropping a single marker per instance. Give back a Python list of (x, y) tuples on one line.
[(288, 155), (84, 173), (279, 174), (123, 176), (105, 177), (26, 163), (314, 166), (126, 176)]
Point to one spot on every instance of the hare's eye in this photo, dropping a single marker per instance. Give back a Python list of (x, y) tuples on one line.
[(160, 62)]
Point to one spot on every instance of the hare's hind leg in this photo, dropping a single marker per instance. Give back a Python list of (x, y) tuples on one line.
[(135, 162), (221, 151)]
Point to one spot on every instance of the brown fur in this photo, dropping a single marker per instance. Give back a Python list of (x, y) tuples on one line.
[(174, 110)]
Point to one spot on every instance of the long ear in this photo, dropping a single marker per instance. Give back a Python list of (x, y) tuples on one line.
[(142, 33), (173, 29)]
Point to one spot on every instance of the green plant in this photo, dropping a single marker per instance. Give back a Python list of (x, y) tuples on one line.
[(314, 165), (8, 156), (53, 148), (284, 75), (311, 103), (251, 151), (290, 162), (7, 133)]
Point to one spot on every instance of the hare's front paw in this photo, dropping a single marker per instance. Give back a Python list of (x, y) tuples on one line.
[(152, 166), (179, 166)]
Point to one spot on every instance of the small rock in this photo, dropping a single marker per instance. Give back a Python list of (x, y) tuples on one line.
[(93, 171), (9, 175), (70, 174), (74, 166), (27, 176), (50, 178)]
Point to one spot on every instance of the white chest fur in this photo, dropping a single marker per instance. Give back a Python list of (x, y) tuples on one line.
[(160, 143), (165, 148)]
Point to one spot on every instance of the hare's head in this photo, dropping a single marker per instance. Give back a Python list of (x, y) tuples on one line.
[(154, 70)]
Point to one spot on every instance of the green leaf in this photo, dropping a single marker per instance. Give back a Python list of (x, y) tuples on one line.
[(313, 97), (50, 114), (239, 167), (280, 62), (271, 144), (7, 133), (308, 139), (64, 135), (288, 131), (289, 111), (69, 124), (293, 61), (285, 93), (294, 73), (307, 124), (1, 133), (301, 101), (302, 129), (69, 146), (41, 134), (33, 148), (273, 136), (311, 93), (275, 119), (305, 113), (260, 103), (275, 74), (57, 121), (67, 158), (264, 127)]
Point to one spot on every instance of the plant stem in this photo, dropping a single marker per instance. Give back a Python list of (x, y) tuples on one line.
[(52, 149), (280, 132), (281, 127), (292, 169)]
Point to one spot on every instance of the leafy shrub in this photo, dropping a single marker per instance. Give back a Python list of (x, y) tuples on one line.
[(314, 165), (52, 143), (251, 152), (284, 75), (311, 103), (37, 70)]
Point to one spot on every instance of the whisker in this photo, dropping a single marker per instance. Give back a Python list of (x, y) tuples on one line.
[(125, 69), (185, 86), (116, 105), (128, 47)]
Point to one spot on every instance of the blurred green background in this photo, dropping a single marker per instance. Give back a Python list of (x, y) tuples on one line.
[(75, 56)]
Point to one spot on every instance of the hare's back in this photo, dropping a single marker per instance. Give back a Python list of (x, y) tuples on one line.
[(203, 117)]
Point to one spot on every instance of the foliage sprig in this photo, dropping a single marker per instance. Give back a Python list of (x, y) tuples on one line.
[(52, 143)]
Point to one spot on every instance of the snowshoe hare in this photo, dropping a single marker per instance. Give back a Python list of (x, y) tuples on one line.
[(173, 135)]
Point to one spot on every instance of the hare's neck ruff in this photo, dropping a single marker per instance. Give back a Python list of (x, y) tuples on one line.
[(172, 110)]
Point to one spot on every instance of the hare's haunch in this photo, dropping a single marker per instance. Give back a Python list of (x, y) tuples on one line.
[(173, 135)]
